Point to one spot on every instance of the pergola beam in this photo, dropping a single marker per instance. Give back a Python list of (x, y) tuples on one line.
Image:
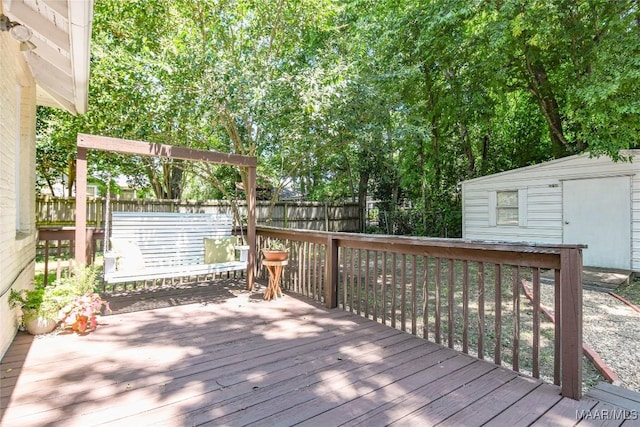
[(141, 148)]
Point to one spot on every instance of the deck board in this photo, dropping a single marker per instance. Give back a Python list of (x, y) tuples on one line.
[(227, 357)]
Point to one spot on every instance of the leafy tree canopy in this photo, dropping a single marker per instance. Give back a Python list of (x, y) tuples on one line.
[(396, 100)]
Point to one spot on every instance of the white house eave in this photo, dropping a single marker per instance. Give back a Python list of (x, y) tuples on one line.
[(80, 15), (60, 62)]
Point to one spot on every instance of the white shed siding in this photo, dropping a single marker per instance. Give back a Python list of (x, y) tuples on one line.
[(635, 222), (17, 126), (543, 185)]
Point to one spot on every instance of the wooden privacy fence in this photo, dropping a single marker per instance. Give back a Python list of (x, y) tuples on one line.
[(463, 294), (304, 215)]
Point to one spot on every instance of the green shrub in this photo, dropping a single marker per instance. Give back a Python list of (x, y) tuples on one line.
[(47, 301)]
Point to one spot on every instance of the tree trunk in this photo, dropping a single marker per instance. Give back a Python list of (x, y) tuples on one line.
[(485, 154), (542, 91), (423, 181), (468, 150), (72, 176), (362, 197)]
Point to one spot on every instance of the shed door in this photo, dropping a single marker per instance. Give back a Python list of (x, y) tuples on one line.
[(597, 212)]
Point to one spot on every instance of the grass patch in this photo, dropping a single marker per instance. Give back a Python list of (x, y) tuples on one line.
[(630, 291)]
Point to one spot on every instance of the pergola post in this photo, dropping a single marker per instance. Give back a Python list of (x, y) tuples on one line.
[(251, 227), (81, 206)]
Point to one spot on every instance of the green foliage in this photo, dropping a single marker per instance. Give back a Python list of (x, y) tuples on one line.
[(47, 301), (395, 100), (34, 304), (276, 245)]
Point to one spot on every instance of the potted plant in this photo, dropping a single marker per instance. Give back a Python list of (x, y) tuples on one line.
[(275, 251), (78, 303), (38, 312), (81, 313), (69, 297)]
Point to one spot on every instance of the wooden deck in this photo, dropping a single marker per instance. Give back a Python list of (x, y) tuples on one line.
[(228, 358)]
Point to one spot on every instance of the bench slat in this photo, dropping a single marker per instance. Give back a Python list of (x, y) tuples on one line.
[(169, 272), (172, 244)]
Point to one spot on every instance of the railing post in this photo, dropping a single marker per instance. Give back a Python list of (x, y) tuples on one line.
[(251, 227), (571, 322), (331, 273)]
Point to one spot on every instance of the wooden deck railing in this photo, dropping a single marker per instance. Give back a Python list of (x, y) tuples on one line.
[(463, 294), (61, 240), (466, 295)]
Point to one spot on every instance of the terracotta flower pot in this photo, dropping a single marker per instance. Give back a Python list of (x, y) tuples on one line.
[(271, 255)]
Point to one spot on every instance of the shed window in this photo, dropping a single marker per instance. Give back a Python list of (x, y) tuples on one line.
[(507, 207)]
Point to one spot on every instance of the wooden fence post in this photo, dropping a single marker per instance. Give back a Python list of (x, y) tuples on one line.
[(571, 322), (326, 217), (331, 274), (285, 216)]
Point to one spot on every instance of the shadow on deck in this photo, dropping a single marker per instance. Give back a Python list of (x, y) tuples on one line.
[(218, 355)]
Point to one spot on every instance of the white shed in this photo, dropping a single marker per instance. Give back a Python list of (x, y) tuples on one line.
[(577, 199)]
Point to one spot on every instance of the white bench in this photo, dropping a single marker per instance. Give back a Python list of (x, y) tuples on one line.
[(158, 245)]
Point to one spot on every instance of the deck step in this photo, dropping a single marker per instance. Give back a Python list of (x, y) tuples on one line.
[(616, 395), (596, 279)]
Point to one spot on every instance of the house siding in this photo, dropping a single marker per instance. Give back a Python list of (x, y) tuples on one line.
[(17, 233), (543, 185)]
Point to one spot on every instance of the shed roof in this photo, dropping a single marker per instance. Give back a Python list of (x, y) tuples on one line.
[(631, 153)]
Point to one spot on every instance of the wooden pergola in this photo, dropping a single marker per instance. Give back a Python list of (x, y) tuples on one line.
[(141, 148)]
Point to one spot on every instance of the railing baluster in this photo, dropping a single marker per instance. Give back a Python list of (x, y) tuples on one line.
[(59, 255), (497, 355), (314, 271), (465, 307), (516, 319), (306, 274), (345, 277), (556, 345), (384, 287), (438, 303), (322, 279), (481, 310), (403, 296), (298, 274), (425, 298), (375, 286), (294, 273), (450, 291), (359, 282), (393, 289), (536, 323), (414, 304), (317, 261), (309, 269), (366, 285), (351, 290), (305, 269), (46, 262)]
